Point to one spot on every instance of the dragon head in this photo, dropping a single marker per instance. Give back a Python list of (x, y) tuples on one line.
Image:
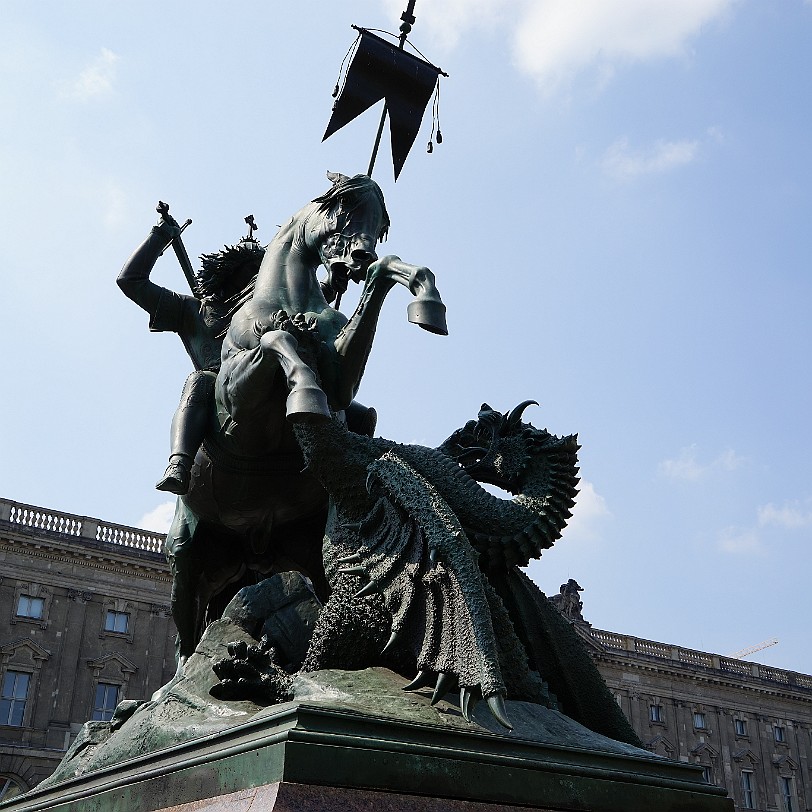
[(496, 448)]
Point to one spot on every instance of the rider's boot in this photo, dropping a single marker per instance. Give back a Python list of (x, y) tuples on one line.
[(189, 424), (177, 475)]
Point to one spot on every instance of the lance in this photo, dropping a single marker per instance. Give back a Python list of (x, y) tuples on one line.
[(179, 248), (408, 19)]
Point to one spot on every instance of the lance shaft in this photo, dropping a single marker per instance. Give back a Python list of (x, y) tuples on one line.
[(408, 21)]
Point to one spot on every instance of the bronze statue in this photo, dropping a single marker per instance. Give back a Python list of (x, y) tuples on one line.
[(224, 282), (287, 357), (289, 478)]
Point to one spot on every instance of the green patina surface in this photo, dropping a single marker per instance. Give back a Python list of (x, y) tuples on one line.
[(359, 729)]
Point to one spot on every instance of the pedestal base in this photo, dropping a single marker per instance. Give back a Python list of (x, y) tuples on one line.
[(322, 755), (285, 797)]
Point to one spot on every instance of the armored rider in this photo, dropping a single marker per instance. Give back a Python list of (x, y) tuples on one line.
[(224, 282)]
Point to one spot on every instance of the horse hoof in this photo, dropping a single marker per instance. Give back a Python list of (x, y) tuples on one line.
[(428, 314), (307, 404)]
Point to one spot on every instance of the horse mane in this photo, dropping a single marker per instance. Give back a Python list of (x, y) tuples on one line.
[(234, 263), (348, 194), (224, 270)]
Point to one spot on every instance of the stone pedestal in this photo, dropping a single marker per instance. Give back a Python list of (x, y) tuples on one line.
[(356, 741)]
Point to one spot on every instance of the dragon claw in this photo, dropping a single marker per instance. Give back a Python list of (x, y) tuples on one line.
[(497, 705), (352, 570), (350, 559), (422, 679), (467, 703), (445, 682), (391, 642), (370, 589)]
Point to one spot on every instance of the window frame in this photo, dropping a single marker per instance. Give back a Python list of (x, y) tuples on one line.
[(31, 599), (13, 699), (655, 713), (779, 734), (748, 789), (99, 713), (740, 727), (785, 785), (8, 782), (699, 716), (115, 615)]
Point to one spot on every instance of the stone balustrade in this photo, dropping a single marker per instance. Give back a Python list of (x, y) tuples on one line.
[(55, 523), (743, 668)]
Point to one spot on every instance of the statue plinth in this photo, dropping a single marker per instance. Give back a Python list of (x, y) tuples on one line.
[(332, 747)]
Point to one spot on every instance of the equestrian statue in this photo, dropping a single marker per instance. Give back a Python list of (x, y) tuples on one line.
[(415, 564)]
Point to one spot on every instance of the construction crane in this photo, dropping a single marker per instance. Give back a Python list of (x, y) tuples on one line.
[(746, 652)]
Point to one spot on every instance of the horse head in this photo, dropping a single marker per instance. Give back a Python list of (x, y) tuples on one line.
[(344, 226)]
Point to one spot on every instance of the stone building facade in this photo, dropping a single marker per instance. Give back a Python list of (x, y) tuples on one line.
[(748, 725), (85, 623)]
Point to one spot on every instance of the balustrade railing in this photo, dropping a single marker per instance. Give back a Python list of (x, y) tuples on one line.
[(623, 642), (46, 521)]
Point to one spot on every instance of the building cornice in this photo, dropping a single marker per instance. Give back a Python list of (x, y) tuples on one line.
[(629, 653)]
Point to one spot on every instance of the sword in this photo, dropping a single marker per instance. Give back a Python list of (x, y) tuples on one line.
[(179, 248)]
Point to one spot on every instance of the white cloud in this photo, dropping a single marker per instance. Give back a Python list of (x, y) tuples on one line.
[(622, 163), (447, 20), (96, 80), (158, 519), (588, 515), (687, 467), (555, 40), (739, 541), (789, 516)]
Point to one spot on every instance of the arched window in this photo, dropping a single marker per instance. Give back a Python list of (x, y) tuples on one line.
[(10, 787)]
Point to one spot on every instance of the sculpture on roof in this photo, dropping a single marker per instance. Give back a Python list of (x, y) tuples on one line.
[(568, 602)]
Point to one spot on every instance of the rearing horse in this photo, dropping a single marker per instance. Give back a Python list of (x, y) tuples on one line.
[(288, 356)]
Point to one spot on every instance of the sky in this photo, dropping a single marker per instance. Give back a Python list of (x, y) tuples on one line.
[(618, 220)]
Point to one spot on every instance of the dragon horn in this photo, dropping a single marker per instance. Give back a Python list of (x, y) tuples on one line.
[(515, 415)]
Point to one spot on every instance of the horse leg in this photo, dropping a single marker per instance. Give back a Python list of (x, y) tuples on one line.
[(306, 400), (427, 310), (246, 378)]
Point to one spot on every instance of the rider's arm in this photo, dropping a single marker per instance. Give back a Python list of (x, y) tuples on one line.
[(134, 278)]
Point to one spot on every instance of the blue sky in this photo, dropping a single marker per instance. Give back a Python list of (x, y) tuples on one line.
[(618, 220)]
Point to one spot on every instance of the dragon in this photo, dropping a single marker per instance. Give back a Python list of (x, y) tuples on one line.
[(424, 565)]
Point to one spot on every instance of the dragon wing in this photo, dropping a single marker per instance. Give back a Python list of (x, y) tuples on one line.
[(415, 552)]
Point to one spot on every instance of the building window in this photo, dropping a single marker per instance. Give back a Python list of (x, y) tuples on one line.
[(748, 793), (707, 774), (12, 700), (778, 734), (30, 607), (9, 788), (786, 792), (741, 727), (118, 622), (699, 721), (106, 701), (655, 713)]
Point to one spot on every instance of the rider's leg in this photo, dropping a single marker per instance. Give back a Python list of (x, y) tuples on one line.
[(188, 430)]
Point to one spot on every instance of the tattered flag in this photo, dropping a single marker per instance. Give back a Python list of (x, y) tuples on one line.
[(381, 70)]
